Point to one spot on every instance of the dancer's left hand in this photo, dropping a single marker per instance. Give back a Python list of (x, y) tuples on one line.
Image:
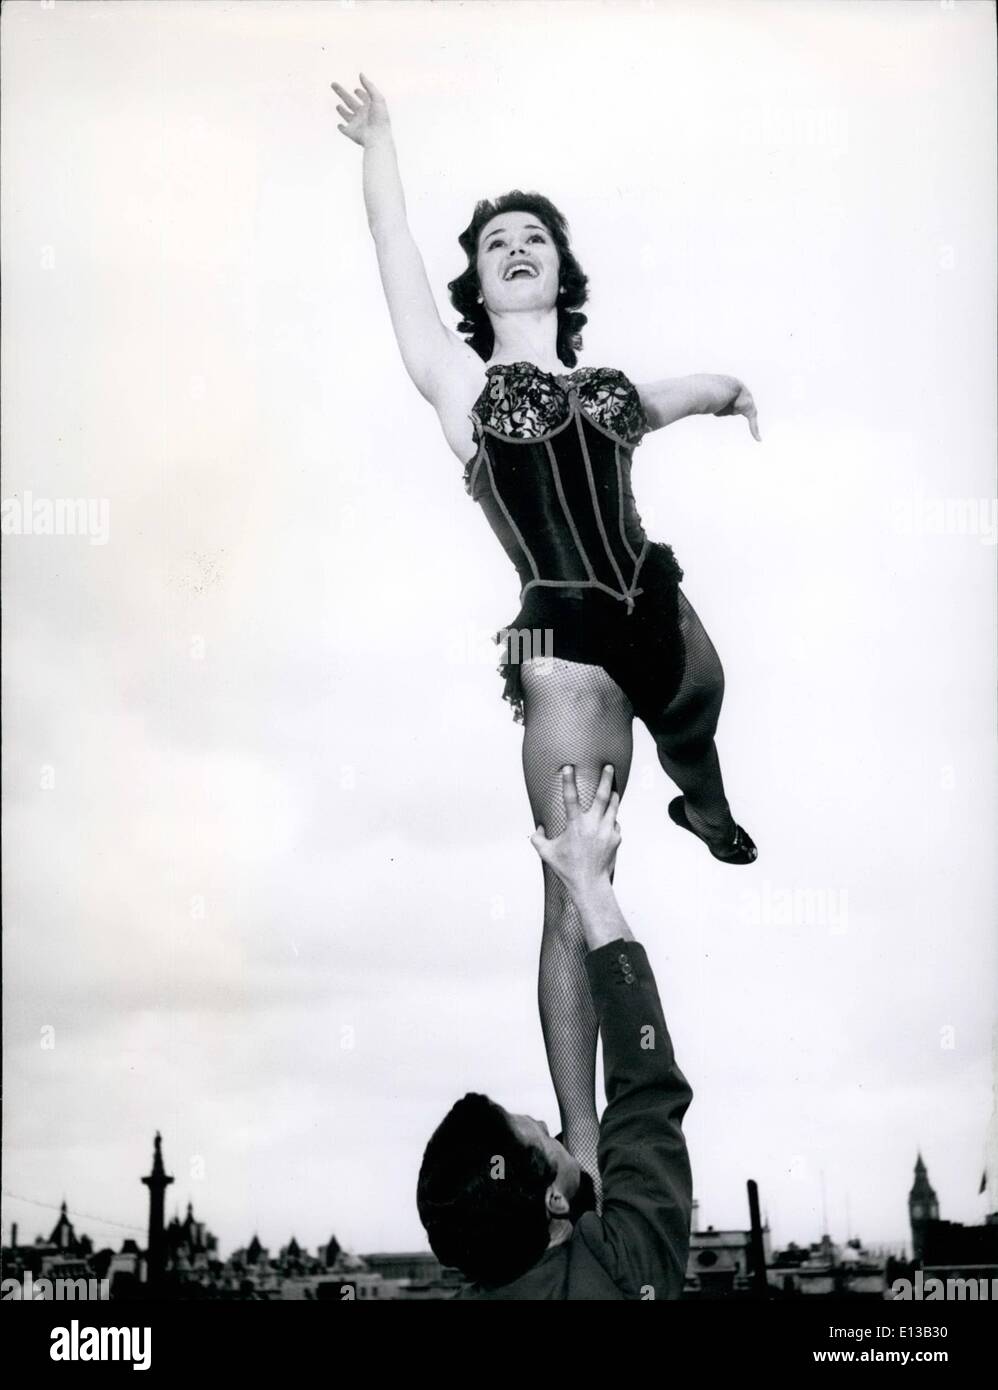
[(743, 404)]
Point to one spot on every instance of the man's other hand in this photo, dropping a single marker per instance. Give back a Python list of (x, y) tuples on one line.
[(583, 854)]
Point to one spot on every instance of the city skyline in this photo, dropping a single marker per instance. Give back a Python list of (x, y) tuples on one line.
[(173, 1216), (182, 1260)]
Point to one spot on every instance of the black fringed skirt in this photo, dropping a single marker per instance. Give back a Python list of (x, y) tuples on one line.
[(641, 649)]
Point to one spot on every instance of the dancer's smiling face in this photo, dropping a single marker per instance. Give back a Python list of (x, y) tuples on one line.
[(509, 240)]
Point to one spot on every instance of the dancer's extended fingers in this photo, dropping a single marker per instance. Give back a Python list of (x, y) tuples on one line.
[(612, 807), (345, 95), (569, 791), (745, 405), (370, 86)]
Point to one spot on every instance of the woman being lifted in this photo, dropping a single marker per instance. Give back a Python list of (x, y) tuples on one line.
[(546, 448)]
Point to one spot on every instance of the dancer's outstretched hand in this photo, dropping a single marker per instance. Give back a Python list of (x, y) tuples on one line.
[(743, 404), (365, 113), (583, 854)]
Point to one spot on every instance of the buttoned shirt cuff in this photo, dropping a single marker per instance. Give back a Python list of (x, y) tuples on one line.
[(618, 962)]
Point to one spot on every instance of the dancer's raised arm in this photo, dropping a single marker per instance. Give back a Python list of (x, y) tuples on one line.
[(430, 351), (674, 398)]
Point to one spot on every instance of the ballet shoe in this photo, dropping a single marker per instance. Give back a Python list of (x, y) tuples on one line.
[(740, 850)]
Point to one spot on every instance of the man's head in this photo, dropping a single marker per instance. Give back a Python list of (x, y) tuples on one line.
[(493, 1189)]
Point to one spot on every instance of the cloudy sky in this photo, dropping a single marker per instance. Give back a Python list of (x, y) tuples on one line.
[(267, 880)]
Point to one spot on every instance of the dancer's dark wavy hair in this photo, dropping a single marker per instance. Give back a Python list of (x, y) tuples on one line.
[(573, 285)]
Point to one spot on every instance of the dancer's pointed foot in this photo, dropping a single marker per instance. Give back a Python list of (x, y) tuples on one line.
[(739, 850)]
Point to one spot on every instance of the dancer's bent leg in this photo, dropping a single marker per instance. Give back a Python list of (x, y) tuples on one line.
[(573, 713), (684, 731)]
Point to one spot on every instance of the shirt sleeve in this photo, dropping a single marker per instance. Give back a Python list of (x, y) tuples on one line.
[(644, 1164)]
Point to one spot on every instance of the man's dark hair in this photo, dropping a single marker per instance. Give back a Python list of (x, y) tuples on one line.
[(572, 284), (480, 1194)]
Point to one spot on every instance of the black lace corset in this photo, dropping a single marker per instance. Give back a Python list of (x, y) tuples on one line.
[(552, 473)]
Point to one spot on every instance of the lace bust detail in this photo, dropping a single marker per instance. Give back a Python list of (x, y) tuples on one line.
[(521, 401)]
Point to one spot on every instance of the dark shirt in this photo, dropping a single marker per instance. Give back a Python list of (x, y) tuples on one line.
[(638, 1247)]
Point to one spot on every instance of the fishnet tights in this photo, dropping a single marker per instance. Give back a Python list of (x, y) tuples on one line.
[(575, 713)]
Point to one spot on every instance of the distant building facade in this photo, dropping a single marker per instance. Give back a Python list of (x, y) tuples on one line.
[(947, 1249), (719, 1263), (923, 1208)]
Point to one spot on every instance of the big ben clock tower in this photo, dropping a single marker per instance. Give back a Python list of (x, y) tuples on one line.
[(922, 1207)]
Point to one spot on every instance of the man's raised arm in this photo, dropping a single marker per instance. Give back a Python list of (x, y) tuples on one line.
[(643, 1237)]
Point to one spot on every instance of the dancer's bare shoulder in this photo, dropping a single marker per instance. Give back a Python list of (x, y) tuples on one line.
[(455, 385)]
